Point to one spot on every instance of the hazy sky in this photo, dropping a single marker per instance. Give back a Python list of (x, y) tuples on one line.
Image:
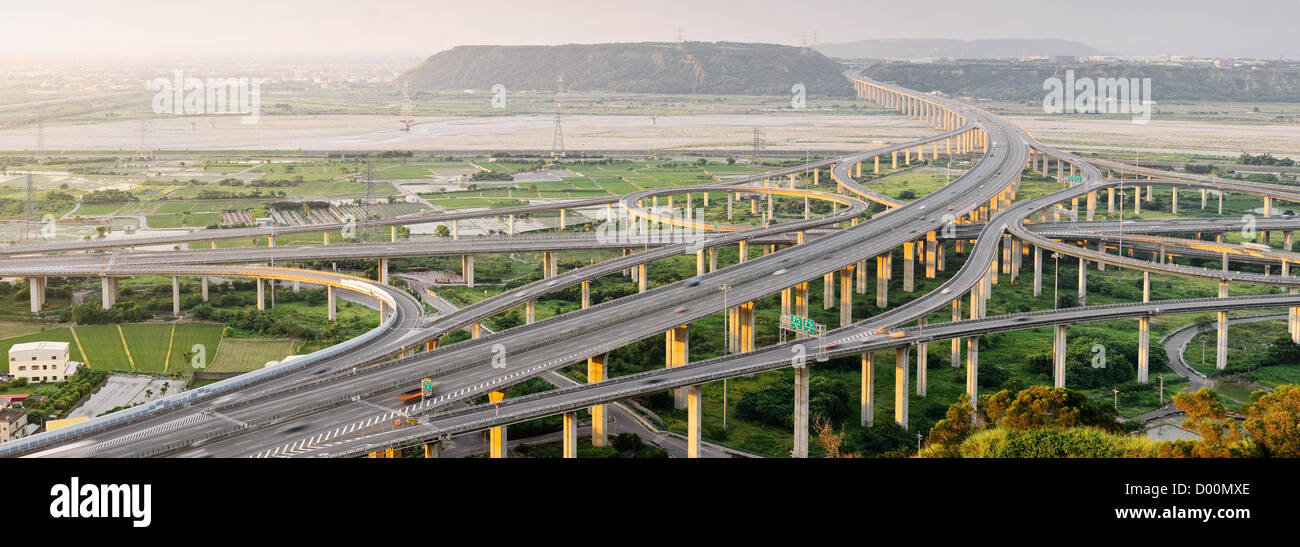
[(183, 27)]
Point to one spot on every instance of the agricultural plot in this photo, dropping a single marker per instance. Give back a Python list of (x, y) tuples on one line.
[(245, 354)]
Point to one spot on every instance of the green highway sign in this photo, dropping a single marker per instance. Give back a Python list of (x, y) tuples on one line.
[(803, 324), (426, 387), (1074, 178)]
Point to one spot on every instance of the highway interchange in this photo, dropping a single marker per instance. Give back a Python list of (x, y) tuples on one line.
[(330, 407)]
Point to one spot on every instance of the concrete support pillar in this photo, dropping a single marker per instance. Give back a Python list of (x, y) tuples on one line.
[(1220, 202), (1083, 281), (330, 297), (467, 268), (595, 374), (432, 450), (569, 442), (800, 299), (868, 399), (909, 266), (882, 281), (860, 272), (955, 359), (745, 326), (694, 416), (973, 370), (900, 385), (176, 296), (1144, 348), (846, 296), (562, 222), (496, 435), (261, 293), (742, 251), (828, 291), (676, 354), (476, 331), (511, 224), (1286, 241), (931, 243), (1110, 201), (203, 287), (699, 262), (455, 231), (641, 277), (1173, 199), (108, 291), (1221, 348), (922, 362), (731, 196), (800, 412), (530, 312), (1137, 200), (383, 270), (1091, 204), (1058, 356), (713, 259), (36, 286), (586, 294)]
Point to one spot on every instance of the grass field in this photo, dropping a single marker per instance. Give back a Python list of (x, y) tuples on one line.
[(9, 329), (245, 354), (149, 344)]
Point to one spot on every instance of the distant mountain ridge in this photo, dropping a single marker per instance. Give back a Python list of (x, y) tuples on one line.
[(957, 49), (644, 67)]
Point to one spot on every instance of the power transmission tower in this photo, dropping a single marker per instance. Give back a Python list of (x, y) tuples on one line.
[(406, 104), (557, 140), (753, 152), (40, 135), (29, 212), (680, 40)]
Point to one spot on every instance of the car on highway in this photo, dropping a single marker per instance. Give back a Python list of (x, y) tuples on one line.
[(897, 334), (694, 281), (779, 272), (680, 310)]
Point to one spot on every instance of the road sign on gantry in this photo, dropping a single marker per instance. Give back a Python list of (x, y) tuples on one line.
[(799, 323), (1074, 178)]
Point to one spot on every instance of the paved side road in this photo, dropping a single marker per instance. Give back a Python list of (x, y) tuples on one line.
[(1174, 347), (121, 390)]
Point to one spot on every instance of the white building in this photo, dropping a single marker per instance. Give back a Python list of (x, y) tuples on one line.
[(40, 361)]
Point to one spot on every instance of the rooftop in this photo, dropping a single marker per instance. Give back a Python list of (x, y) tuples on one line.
[(43, 345)]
